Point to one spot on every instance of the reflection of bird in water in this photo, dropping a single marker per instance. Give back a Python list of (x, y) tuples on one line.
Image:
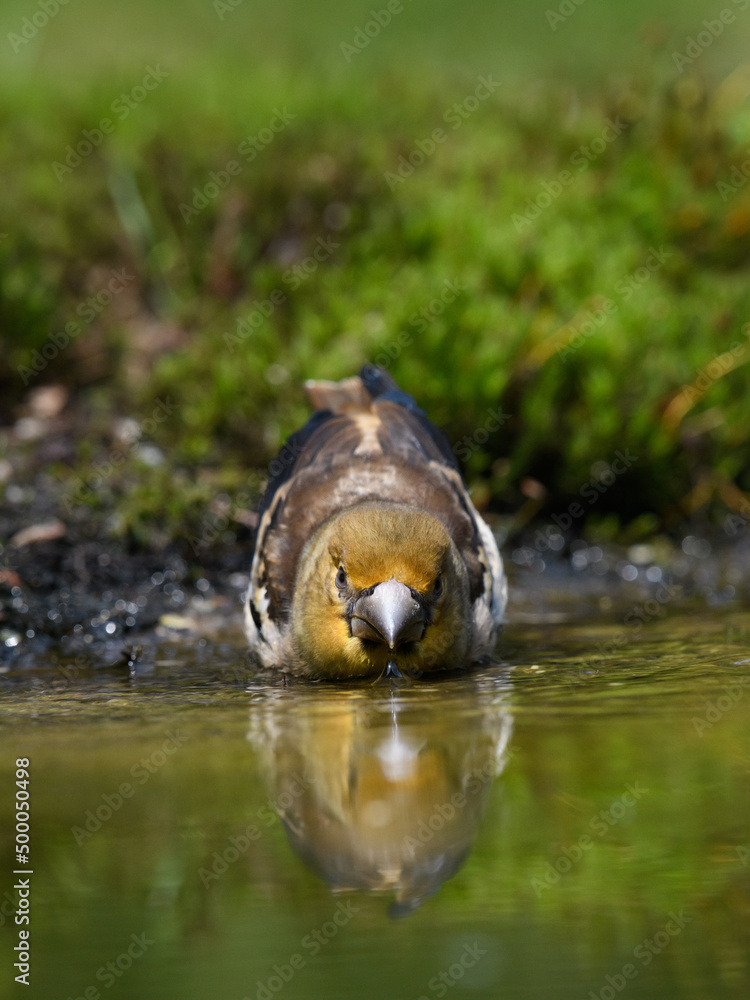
[(370, 556), (394, 785)]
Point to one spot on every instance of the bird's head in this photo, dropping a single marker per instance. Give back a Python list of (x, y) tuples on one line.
[(381, 584)]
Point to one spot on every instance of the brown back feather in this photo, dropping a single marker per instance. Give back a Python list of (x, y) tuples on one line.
[(372, 449)]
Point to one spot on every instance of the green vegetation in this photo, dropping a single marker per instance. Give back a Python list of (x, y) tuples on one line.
[(222, 206)]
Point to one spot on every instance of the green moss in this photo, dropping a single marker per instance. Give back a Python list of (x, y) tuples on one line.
[(474, 276)]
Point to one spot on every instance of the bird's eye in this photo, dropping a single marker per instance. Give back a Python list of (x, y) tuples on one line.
[(438, 588), (341, 578)]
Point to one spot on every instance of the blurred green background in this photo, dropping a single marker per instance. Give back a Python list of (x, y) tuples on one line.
[(553, 261)]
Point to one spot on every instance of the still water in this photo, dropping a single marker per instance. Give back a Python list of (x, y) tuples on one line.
[(571, 821)]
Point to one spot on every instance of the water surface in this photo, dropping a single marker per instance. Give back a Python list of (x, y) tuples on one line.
[(571, 820)]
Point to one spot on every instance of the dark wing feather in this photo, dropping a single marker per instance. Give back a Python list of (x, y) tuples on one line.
[(381, 385), (388, 449), (378, 381), (282, 467)]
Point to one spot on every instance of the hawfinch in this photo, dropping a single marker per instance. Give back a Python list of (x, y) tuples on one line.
[(378, 793), (370, 557)]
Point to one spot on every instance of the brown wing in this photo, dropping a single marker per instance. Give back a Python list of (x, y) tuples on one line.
[(364, 447)]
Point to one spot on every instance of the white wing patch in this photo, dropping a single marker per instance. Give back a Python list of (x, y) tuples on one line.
[(271, 646), (367, 425), (488, 611), (498, 589)]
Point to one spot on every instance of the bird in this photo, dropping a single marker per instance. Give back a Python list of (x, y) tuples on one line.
[(383, 793), (370, 558)]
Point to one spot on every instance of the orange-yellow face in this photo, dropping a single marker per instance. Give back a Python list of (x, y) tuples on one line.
[(381, 586)]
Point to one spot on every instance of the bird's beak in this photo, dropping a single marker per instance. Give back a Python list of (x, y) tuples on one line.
[(389, 615)]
